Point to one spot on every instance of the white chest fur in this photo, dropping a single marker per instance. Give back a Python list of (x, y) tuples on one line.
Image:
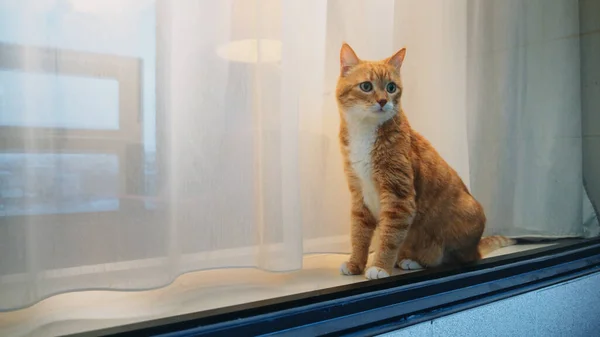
[(361, 138)]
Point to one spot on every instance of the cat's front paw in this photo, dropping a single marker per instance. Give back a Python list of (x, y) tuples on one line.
[(408, 264), (350, 268), (374, 273)]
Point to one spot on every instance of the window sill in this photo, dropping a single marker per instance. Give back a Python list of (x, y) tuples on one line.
[(194, 292), (376, 307)]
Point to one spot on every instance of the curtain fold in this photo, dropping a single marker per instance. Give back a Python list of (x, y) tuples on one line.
[(144, 139), (524, 116), (589, 24)]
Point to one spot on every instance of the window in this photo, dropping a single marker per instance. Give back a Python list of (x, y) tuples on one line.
[(174, 166)]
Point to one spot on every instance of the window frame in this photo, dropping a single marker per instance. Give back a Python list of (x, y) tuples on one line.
[(373, 307), (379, 306), (126, 142)]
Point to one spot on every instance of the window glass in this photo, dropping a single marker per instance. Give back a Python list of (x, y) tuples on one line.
[(185, 155)]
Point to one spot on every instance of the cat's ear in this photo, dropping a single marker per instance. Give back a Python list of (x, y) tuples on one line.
[(397, 59), (348, 59)]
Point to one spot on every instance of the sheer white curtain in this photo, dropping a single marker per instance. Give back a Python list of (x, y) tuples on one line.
[(215, 144), (524, 117), (248, 142)]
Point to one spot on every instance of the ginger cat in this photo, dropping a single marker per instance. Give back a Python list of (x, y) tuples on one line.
[(398, 182)]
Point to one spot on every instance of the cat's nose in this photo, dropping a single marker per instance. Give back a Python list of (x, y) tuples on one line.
[(382, 102)]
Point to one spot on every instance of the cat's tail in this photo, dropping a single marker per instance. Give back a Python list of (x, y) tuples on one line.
[(489, 244)]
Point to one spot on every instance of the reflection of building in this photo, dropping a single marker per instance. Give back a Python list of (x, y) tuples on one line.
[(4, 189), (57, 183), (150, 172), (59, 167)]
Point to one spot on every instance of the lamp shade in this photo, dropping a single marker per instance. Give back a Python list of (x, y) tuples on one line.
[(255, 32)]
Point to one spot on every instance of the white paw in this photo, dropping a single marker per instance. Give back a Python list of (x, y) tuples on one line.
[(408, 264), (374, 273), (344, 269)]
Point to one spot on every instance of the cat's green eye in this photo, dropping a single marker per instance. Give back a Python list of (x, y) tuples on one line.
[(391, 87), (366, 86)]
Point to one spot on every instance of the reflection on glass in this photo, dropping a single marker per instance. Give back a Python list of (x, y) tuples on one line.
[(34, 184), (52, 101)]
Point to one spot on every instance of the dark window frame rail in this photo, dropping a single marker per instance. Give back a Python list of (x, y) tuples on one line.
[(375, 307)]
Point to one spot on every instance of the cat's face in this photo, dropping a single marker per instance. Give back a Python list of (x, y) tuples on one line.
[(369, 90)]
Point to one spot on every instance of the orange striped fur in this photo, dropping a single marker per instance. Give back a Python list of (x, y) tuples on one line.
[(398, 182), (491, 243)]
